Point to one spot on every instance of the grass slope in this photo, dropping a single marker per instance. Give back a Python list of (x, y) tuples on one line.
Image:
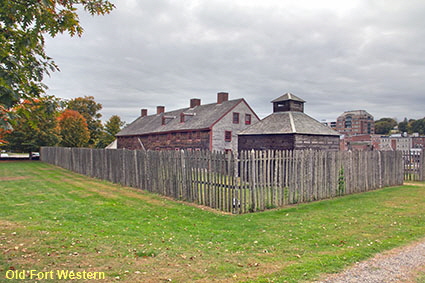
[(52, 219)]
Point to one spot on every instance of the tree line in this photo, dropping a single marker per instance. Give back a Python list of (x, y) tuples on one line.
[(28, 118), (50, 121), (385, 126)]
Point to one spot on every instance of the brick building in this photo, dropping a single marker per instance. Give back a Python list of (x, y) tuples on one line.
[(288, 128), (209, 127), (356, 122), (360, 142), (378, 142), (418, 142)]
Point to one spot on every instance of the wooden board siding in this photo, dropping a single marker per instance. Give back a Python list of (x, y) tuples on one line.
[(195, 140), (226, 124), (288, 142), (266, 142), (316, 142)]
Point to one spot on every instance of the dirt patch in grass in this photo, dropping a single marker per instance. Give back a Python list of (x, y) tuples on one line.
[(14, 245), (415, 184), (7, 224), (196, 269), (114, 191), (17, 178)]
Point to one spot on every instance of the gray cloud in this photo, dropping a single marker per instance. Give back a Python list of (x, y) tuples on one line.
[(369, 55)]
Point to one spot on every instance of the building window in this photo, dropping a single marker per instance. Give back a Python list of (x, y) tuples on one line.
[(247, 119), (235, 118), (228, 136), (348, 122)]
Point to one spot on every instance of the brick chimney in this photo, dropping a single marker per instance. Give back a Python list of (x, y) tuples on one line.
[(160, 109), (222, 97), (195, 102), (144, 112)]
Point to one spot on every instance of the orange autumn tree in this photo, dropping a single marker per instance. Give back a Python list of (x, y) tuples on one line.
[(33, 124), (4, 126), (73, 129)]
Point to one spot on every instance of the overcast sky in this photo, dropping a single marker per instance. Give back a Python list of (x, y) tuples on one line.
[(337, 55)]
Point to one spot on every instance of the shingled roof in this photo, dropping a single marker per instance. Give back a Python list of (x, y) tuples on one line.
[(289, 123), (199, 117), (288, 96)]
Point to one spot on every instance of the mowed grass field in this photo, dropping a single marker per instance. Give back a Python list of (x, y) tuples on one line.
[(53, 219)]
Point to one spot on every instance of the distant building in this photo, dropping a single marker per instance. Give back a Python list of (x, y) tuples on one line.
[(357, 122), (418, 142), (211, 126), (330, 124), (360, 142), (112, 145), (376, 142), (288, 128)]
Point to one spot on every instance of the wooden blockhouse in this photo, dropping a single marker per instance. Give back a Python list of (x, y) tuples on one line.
[(288, 128)]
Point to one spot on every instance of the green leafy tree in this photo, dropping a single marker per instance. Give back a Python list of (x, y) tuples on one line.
[(34, 125), (89, 108), (112, 127), (384, 126), (23, 27), (418, 126), (403, 126), (73, 129)]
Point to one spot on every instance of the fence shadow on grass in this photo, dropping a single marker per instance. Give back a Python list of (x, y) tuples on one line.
[(248, 182)]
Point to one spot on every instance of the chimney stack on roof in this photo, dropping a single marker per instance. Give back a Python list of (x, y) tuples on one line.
[(160, 109), (144, 112), (195, 102), (222, 97)]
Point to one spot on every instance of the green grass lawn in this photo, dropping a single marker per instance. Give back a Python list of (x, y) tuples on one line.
[(53, 219), (421, 277)]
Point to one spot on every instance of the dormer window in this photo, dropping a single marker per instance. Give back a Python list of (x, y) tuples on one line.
[(167, 119), (184, 117)]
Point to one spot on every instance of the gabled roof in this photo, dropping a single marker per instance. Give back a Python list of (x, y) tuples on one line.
[(199, 117), (289, 122), (288, 96)]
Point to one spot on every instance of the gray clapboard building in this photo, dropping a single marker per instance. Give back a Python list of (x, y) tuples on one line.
[(288, 128)]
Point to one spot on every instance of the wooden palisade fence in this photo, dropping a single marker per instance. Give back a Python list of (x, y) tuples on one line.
[(414, 165), (251, 181)]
